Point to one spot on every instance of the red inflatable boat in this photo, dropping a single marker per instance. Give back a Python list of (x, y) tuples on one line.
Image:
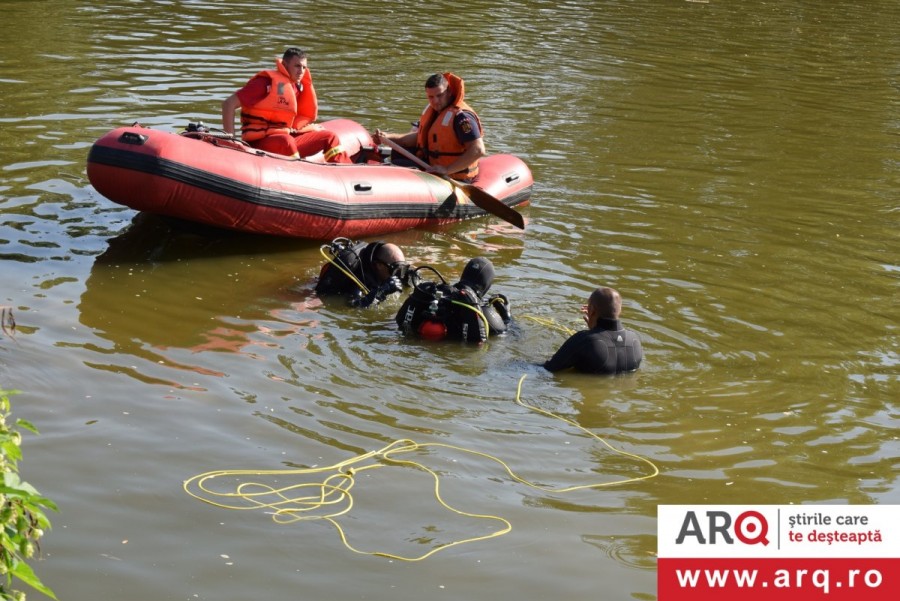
[(201, 177)]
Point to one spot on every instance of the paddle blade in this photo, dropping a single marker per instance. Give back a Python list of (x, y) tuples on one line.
[(478, 196), (493, 205)]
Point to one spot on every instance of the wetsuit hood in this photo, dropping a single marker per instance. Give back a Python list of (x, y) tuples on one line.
[(478, 275)]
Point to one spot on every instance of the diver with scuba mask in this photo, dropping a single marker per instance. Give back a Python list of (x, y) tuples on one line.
[(367, 272)]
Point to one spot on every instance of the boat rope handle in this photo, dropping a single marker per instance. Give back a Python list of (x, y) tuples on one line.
[(333, 494)]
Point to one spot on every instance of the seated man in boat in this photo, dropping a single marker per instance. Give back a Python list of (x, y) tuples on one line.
[(278, 110), (449, 134), (367, 272), (438, 311), (605, 347)]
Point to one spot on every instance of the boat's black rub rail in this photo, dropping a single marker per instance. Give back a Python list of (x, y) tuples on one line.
[(320, 207)]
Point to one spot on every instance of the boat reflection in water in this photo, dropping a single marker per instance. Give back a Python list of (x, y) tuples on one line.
[(164, 285)]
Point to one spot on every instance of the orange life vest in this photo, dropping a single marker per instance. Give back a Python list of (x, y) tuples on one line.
[(282, 107), (436, 140)]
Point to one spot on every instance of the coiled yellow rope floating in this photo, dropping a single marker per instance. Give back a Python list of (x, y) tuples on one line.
[(290, 503)]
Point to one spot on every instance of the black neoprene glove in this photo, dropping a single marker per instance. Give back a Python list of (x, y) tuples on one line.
[(376, 295)]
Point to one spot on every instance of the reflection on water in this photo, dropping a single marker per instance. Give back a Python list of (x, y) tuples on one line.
[(160, 287), (729, 167)]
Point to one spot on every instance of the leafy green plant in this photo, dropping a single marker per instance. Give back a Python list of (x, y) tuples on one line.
[(22, 517)]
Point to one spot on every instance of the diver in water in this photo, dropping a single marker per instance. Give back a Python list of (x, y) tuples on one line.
[(606, 347), (366, 272), (437, 310)]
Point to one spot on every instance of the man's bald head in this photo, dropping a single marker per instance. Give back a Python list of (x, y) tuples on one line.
[(606, 302), (389, 253)]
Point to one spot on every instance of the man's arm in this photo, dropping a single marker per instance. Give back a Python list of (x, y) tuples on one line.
[(229, 108), (407, 140), (474, 151), (253, 91)]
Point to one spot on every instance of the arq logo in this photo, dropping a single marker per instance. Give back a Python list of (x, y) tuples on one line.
[(750, 528)]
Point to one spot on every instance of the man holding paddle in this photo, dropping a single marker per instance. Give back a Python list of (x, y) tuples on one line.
[(449, 136), (449, 139)]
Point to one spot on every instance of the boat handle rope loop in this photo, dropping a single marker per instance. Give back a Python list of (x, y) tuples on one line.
[(289, 504)]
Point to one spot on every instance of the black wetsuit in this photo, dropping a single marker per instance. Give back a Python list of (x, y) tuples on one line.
[(608, 348), (357, 259)]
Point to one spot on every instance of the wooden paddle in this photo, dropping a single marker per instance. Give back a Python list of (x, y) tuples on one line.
[(477, 195)]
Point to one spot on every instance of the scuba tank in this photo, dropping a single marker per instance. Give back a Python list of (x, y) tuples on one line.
[(344, 272), (425, 311), (433, 328), (437, 310)]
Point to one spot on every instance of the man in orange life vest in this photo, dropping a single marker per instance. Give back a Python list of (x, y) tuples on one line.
[(278, 110), (449, 135)]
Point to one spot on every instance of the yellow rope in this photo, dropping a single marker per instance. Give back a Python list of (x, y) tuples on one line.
[(478, 312), (653, 468), (331, 259), (550, 323), (335, 490)]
